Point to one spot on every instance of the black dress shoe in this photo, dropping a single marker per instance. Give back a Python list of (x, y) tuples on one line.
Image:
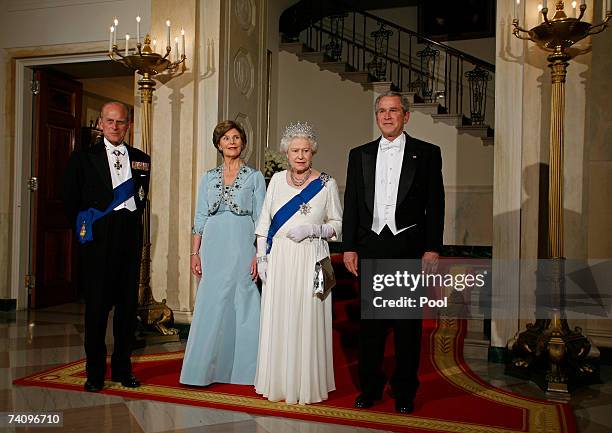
[(128, 381), (404, 406), (364, 401), (93, 386)]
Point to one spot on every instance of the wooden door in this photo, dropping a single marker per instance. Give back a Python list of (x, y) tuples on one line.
[(57, 127)]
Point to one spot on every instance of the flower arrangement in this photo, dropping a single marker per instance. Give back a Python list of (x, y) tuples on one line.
[(274, 161)]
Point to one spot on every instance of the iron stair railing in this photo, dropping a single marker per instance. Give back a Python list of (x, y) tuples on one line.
[(435, 72)]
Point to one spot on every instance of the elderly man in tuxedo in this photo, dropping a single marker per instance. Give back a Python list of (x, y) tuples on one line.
[(393, 209), (105, 190)]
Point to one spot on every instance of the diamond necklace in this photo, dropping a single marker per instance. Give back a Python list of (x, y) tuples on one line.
[(300, 182)]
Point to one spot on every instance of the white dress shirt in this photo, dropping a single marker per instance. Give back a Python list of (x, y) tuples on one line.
[(388, 171), (119, 175)]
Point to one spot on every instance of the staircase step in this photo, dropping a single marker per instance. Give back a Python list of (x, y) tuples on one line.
[(412, 97), (427, 107), (481, 131), (357, 76), (488, 141), (294, 47), (379, 86), (336, 67), (451, 119), (314, 56)]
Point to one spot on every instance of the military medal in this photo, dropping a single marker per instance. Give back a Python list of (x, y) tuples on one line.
[(304, 208), (83, 231), (117, 164), (141, 193)]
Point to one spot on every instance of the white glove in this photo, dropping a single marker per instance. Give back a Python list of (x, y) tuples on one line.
[(262, 258), (262, 268), (299, 233)]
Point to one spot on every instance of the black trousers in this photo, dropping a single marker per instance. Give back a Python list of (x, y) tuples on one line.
[(407, 332), (111, 271)]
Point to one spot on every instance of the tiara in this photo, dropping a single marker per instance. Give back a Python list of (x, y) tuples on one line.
[(299, 129)]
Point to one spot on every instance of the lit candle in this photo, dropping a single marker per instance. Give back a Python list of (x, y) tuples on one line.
[(154, 45), (167, 33), (177, 56), (516, 8), (116, 22), (183, 41), (127, 44), (110, 39), (137, 30), (539, 14), (574, 4)]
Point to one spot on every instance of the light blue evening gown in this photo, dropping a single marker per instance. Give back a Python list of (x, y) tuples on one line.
[(224, 334)]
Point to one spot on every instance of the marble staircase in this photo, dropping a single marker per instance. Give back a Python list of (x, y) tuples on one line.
[(368, 82)]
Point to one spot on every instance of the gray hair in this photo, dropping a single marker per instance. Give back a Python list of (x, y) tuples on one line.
[(403, 100), (298, 130), (125, 107)]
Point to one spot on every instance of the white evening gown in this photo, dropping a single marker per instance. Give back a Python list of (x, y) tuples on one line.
[(295, 360)]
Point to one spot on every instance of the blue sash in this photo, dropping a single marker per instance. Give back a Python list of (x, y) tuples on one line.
[(292, 206), (86, 218)]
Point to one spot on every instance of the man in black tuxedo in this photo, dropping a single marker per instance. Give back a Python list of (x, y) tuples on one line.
[(393, 209), (111, 260)]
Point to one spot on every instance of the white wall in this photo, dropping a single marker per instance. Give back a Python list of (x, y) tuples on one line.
[(340, 111), (39, 22), (5, 187)]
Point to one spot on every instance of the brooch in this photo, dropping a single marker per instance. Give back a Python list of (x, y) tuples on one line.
[(304, 208), (324, 178), (141, 193)]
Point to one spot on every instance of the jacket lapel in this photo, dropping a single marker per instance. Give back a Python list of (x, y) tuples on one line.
[(368, 162), (408, 169), (99, 160)]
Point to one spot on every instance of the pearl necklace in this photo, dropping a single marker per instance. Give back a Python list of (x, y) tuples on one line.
[(297, 181)]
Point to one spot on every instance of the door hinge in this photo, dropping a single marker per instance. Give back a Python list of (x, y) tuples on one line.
[(30, 282), (33, 183), (35, 87)]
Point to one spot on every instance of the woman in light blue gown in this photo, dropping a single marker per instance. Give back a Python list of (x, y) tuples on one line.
[(223, 339)]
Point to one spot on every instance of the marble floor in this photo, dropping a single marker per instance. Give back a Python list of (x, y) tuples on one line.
[(36, 340)]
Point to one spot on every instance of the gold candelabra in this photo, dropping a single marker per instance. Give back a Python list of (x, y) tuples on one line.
[(146, 62), (548, 351)]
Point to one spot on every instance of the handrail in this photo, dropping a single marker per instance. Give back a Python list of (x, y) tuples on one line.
[(365, 47), (475, 60), (350, 8)]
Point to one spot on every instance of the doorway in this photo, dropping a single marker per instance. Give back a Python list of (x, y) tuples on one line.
[(65, 95)]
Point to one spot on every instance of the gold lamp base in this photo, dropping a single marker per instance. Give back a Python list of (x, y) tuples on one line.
[(553, 356), (548, 352)]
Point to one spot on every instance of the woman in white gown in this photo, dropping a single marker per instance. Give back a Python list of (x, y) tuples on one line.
[(295, 361)]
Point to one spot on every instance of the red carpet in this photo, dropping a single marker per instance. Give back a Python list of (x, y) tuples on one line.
[(450, 399)]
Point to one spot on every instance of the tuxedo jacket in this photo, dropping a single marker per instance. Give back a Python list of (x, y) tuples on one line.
[(87, 182), (420, 195)]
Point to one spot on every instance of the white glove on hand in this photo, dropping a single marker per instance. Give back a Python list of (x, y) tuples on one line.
[(299, 233), (262, 268), (262, 258)]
